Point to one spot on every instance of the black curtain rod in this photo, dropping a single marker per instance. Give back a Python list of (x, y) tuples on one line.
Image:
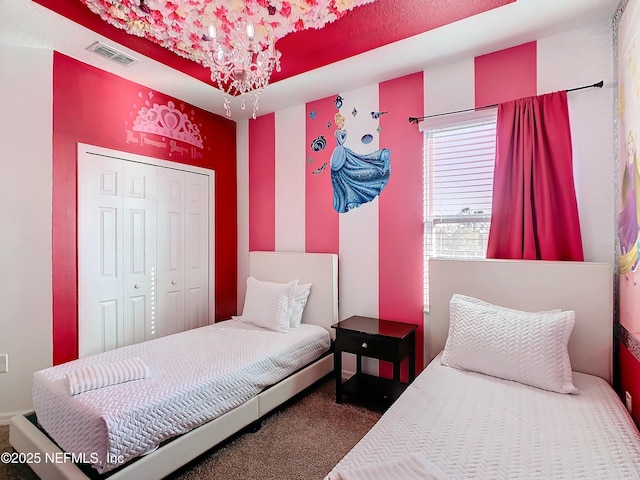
[(600, 84)]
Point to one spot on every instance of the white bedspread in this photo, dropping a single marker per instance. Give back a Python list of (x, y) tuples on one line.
[(194, 377), (474, 426)]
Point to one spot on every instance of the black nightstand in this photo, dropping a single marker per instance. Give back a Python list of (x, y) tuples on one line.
[(375, 338)]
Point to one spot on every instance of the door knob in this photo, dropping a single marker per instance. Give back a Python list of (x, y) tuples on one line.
[(173, 282)]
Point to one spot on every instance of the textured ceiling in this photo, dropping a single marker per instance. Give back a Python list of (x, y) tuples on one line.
[(362, 29), (371, 26)]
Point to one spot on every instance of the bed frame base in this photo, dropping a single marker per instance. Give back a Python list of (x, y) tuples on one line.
[(25, 437)]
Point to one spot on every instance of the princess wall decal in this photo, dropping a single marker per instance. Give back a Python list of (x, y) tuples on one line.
[(356, 178)]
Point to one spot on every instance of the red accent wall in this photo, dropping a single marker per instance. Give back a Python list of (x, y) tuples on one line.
[(321, 220), (628, 369), (401, 210), (262, 183), (506, 75), (95, 107)]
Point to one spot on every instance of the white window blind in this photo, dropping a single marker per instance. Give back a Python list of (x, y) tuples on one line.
[(459, 158)]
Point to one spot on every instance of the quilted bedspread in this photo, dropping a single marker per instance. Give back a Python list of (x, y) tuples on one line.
[(194, 377), (473, 426)]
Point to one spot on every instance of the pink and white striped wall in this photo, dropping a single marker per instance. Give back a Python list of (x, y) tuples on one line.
[(288, 207)]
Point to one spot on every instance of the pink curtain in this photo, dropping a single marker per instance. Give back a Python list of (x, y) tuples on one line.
[(535, 213)]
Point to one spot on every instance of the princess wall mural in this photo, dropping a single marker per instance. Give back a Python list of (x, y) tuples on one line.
[(629, 168), (356, 178), (358, 174)]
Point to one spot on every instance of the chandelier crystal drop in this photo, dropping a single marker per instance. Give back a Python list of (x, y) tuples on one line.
[(241, 65)]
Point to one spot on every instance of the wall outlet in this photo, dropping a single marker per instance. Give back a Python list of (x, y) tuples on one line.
[(628, 401), (4, 363)]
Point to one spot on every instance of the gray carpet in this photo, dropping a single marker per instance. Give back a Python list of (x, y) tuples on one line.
[(301, 441)]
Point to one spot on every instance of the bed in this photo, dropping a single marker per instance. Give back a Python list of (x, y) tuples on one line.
[(162, 403), (480, 412)]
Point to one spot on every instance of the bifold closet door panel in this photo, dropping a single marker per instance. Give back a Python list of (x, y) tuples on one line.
[(100, 254), (197, 250), (139, 252), (170, 250)]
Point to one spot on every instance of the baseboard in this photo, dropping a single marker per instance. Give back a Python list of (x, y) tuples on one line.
[(5, 417)]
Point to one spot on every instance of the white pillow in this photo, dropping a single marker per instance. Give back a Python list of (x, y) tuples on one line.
[(525, 347), (269, 304), (299, 302)]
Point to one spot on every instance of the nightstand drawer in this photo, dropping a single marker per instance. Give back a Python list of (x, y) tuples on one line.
[(362, 344)]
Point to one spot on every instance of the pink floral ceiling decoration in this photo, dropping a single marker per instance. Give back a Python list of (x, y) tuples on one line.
[(181, 25)]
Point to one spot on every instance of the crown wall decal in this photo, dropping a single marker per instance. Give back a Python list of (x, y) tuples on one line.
[(168, 121)]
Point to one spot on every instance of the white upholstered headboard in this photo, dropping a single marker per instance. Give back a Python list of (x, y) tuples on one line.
[(319, 269), (585, 287)]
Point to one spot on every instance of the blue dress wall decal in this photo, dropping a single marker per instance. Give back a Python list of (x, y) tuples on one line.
[(356, 178)]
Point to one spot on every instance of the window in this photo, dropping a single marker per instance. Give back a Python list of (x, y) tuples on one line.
[(459, 158)]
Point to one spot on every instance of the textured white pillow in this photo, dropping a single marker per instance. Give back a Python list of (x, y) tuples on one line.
[(525, 347), (299, 301), (268, 304)]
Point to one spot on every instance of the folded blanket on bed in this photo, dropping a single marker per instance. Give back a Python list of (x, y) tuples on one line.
[(101, 375), (408, 467)]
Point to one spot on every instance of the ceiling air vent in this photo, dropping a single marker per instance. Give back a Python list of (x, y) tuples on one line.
[(111, 53)]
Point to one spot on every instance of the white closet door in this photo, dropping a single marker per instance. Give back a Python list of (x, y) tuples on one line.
[(197, 241), (170, 253), (100, 254), (145, 251), (139, 252)]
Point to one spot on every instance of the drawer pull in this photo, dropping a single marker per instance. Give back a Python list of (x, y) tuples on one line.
[(364, 345)]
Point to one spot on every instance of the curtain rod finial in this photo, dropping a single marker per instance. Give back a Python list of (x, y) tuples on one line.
[(413, 120), (600, 84)]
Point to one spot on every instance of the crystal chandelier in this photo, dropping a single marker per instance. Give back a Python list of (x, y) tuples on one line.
[(241, 64)]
